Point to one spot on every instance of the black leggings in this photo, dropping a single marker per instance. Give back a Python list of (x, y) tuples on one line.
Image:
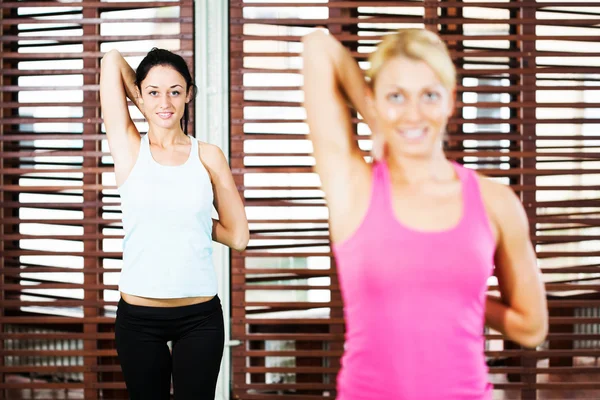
[(197, 335)]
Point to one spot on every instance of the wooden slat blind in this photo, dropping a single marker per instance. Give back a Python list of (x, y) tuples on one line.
[(60, 228), (527, 116)]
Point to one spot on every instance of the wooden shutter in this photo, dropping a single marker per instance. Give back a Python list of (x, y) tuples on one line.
[(60, 223), (527, 116)]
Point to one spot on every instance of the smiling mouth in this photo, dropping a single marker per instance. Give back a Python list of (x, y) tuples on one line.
[(413, 134), (165, 115)]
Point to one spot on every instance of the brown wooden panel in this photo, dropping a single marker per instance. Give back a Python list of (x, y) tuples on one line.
[(527, 116), (60, 227)]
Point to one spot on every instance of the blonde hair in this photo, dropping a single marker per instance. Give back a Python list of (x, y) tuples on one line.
[(415, 44)]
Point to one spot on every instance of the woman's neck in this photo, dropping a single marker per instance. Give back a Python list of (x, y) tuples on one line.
[(415, 170), (167, 137)]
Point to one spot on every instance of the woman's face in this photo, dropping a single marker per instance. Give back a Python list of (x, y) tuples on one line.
[(412, 107), (164, 96)]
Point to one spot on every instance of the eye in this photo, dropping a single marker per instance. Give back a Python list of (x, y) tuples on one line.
[(175, 92), (153, 93), (432, 96), (396, 97)]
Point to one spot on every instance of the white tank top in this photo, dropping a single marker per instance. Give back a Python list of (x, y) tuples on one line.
[(167, 210)]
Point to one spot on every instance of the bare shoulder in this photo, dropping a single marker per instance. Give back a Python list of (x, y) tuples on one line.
[(212, 157), (498, 195), (502, 204), (210, 151)]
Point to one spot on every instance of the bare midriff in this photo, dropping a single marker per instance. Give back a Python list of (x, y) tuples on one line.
[(150, 302)]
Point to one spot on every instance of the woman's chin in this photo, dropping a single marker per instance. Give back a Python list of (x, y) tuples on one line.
[(170, 123)]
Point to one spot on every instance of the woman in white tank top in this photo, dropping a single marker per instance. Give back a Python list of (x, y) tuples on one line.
[(169, 183)]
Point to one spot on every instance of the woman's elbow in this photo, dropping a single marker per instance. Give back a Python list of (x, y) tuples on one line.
[(536, 335), (317, 45), (534, 340), (109, 70), (110, 55), (241, 240), (317, 36)]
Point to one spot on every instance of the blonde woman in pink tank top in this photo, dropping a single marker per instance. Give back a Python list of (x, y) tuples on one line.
[(415, 236)]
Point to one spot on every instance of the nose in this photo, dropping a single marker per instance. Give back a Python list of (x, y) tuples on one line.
[(165, 103), (412, 111)]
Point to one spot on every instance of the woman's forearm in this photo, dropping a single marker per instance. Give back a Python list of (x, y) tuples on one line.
[(234, 240), (127, 75), (319, 46), (527, 330)]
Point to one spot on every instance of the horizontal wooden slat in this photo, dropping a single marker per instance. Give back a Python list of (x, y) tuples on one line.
[(48, 101), (125, 5), (519, 4)]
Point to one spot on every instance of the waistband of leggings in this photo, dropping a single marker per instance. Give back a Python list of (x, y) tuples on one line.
[(178, 311)]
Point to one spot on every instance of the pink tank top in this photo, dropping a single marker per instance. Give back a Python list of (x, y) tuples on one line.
[(414, 302)]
